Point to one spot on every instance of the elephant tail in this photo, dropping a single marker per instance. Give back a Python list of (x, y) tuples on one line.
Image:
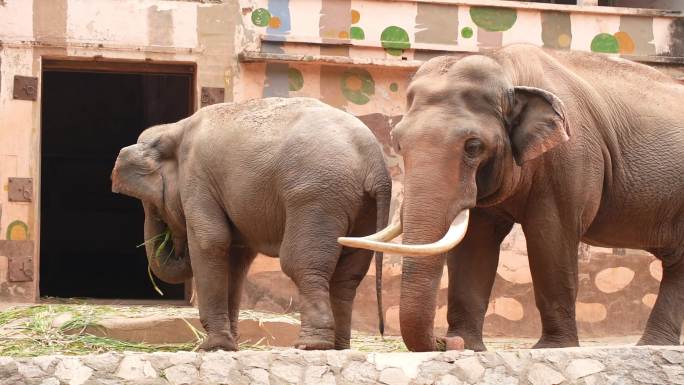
[(383, 196)]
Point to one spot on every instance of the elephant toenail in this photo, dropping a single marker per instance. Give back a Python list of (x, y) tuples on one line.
[(454, 343)]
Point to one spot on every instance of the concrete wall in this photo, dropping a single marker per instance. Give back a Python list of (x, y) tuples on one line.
[(357, 55), (165, 31)]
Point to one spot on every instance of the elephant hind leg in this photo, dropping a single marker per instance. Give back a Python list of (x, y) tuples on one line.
[(664, 325), (308, 255), (351, 268), (240, 258)]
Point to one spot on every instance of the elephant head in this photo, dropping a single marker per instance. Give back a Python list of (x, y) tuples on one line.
[(148, 170), (466, 134)]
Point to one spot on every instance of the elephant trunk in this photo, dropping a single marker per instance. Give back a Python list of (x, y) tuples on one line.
[(167, 253), (421, 276)]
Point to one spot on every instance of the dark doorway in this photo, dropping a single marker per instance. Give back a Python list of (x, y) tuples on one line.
[(89, 235)]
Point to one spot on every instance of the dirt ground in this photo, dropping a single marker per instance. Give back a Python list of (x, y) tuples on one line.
[(76, 328)]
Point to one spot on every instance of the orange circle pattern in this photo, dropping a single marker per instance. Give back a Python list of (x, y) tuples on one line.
[(355, 16), (274, 22), (625, 42)]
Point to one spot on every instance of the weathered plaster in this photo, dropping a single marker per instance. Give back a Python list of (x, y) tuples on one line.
[(436, 23), (49, 20), (216, 37)]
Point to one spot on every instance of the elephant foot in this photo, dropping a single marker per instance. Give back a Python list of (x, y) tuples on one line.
[(316, 339), (469, 342), (311, 343), (342, 344), (550, 343), (451, 343), (658, 340), (218, 342)]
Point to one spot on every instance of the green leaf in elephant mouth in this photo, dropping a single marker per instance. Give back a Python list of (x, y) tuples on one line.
[(165, 236)]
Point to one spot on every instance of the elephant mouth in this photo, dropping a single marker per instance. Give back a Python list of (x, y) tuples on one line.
[(163, 245), (166, 248)]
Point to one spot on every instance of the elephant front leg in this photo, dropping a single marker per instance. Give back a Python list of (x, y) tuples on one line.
[(472, 269), (552, 254), (209, 240), (664, 326)]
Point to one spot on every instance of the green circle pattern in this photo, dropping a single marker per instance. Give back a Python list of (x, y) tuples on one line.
[(261, 17), (295, 80), (394, 87), (467, 32), (357, 96), (394, 40), (356, 33), (605, 43), (493, 19)]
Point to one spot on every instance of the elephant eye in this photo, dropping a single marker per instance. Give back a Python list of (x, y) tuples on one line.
[(473, 147)]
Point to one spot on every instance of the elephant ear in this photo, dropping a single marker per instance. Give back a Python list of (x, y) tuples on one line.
[(138, 168), (137, 174), (537, 122)]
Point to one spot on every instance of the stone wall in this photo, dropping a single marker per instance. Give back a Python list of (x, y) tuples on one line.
[(614, 365)]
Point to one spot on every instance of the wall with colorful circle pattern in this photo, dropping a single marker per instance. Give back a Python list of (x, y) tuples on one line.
[(322, 49)]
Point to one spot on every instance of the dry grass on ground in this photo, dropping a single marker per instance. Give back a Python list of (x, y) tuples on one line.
[(60, 328), (37, 330)]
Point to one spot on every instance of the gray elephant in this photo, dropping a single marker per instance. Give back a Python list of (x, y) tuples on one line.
[(573, 146), (282, 177)]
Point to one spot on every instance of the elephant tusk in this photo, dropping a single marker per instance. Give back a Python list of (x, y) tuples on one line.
[(453, 237), (387, 234)]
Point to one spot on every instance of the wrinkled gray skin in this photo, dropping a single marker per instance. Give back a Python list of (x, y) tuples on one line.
[(282, 177), (574, 147)]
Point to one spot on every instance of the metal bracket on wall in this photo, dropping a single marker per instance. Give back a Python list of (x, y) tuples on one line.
[(20, 189), (25, 87), (21, 269), (20, 258), (212, 95)]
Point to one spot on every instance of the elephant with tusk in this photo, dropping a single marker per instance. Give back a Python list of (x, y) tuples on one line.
[(281, 177), (573, 146)]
